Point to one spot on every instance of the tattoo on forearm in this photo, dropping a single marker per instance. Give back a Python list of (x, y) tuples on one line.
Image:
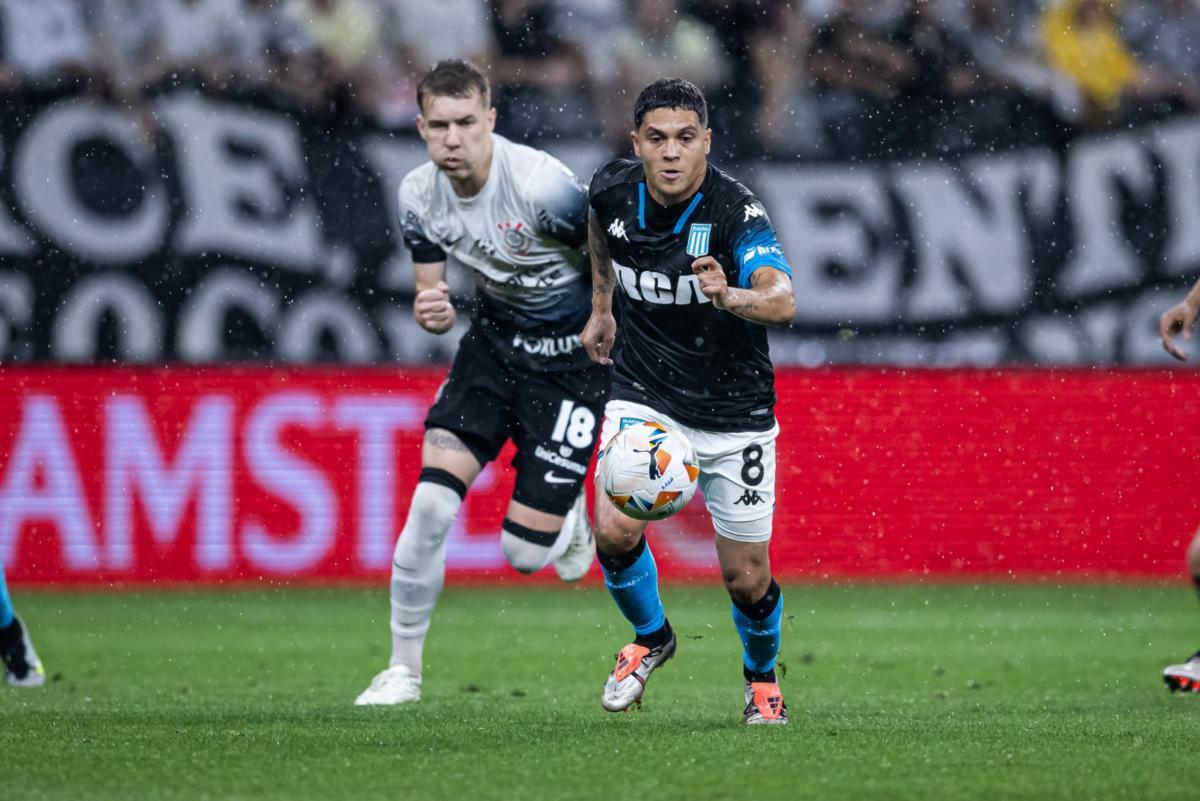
[(602, 271), (440, 438)]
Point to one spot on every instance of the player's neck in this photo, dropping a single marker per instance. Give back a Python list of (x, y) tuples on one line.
[(676, 198), (473, 184)]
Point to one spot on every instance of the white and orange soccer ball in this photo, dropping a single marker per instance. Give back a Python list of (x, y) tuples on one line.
[(648, 471)]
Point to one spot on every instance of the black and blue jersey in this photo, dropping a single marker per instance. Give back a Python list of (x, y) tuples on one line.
[(675, 351)]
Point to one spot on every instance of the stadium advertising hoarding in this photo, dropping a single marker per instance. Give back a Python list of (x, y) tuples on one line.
[(243, 233), (180, 475)]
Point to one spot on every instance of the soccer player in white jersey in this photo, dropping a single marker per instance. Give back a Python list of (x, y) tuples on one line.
[(1181, 319), (518, 219), (700, 274)]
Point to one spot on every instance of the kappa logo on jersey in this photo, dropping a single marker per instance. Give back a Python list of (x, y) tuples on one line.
[(617, 230), (516, 238), (753, 210), (749, 498), (659, 288), (697, 241)]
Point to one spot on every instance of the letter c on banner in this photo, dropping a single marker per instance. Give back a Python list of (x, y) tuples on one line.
[(43, 180)]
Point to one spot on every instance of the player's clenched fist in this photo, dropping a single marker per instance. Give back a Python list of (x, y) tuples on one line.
[(598, 337), (433, 310), (712, 279)]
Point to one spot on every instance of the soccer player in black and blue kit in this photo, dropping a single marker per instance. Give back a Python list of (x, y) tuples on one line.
[(700, 273)]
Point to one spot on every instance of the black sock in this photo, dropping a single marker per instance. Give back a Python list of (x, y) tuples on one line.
[(764, 605), (754, 678), (619, 561), (1196, 581), (655, 638)]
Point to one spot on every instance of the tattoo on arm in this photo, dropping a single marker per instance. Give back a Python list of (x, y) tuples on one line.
[(769, 300), (602, 271), (441, 438)]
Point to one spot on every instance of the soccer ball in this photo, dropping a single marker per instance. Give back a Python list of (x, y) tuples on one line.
[(648, 471)]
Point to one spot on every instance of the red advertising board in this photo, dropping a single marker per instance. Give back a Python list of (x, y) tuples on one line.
[(234, 475)]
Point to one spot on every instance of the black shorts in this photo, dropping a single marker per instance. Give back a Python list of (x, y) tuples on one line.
[(553, 418)]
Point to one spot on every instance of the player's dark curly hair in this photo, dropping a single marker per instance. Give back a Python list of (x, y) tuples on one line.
[(670, 93), (453, 77)]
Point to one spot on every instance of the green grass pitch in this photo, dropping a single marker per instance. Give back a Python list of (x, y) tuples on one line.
[(895, 692)]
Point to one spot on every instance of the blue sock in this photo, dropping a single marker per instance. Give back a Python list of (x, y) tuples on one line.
[(6, 610), (632, 580), (758, 626)]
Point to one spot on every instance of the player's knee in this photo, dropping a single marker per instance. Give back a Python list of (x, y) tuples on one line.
[(615, 533), (746, 586), (435, 503), (609, 537), (526, 549)]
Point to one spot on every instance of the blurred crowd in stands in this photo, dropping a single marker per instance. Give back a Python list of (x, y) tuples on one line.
[(810, 78)]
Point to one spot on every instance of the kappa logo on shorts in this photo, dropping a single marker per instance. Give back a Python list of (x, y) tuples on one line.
[(749, 498)]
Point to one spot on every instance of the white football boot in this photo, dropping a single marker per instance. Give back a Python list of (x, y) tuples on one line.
[(628, 679), (764, 704), (1185, 676), (581, 550), (396, 685), (22, 668)]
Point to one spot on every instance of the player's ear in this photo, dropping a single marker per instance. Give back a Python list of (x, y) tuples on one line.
[(422, 127), (637, 145), (491, 119), (707, 140)]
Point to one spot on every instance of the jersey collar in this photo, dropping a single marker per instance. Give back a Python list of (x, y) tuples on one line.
[(657, 213)]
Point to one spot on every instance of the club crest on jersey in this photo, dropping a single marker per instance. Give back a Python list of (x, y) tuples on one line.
[(516, 239), (697, 241)]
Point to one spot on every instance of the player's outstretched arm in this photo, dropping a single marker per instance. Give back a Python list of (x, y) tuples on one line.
[(601, 330), (768, 300), (432, 307), (1180, 319)]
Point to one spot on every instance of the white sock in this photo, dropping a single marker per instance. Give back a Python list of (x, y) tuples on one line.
[(524, 549), (530, 557), (419, 570)]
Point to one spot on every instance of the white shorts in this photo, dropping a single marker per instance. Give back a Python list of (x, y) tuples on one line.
[(737, 469)]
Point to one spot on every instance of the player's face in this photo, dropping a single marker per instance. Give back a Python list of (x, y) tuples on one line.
[(673, 145), (458, 134)]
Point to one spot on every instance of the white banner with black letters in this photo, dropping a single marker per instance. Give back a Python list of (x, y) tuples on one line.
[(237, 232)]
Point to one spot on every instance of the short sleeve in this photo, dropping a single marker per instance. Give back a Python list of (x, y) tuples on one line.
[(412, 229), (558, 202), (753, 239), (604, 178)]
